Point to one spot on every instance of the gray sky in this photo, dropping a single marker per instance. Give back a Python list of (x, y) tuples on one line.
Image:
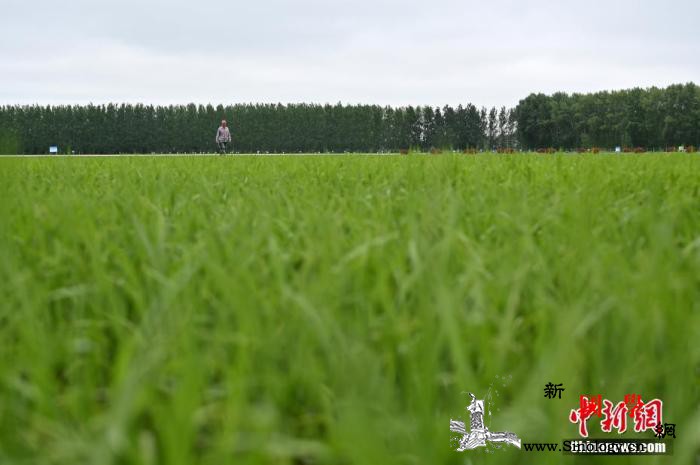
[(395, 52)]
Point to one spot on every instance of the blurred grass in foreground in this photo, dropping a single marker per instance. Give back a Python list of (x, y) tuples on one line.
[(336, 310)]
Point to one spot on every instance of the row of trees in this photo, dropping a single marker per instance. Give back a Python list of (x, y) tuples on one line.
[(651, 118), (255, 127)]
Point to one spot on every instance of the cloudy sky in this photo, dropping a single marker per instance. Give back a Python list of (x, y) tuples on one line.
[(398, 52)]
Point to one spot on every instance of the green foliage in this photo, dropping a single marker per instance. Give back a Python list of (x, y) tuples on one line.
[(296, 128), (334, 310), (9, 142), (652, 118)]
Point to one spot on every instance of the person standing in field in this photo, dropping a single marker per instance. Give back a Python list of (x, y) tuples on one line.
[(223, 137)]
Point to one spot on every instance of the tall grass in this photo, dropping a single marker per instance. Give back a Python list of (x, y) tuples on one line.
[(335, 310)]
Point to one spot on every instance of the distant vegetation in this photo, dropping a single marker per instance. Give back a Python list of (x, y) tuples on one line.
[(641, 118), (652, 118), (257, 127)]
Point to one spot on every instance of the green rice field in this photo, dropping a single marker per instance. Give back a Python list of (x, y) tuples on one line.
[(337, 310)]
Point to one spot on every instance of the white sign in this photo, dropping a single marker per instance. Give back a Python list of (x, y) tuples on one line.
[(53, 149)]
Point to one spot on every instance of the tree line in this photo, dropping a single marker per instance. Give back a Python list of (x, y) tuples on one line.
[(651, 118), (273, 128)]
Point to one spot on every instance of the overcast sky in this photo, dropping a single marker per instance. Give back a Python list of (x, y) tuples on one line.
[(397, 52)]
